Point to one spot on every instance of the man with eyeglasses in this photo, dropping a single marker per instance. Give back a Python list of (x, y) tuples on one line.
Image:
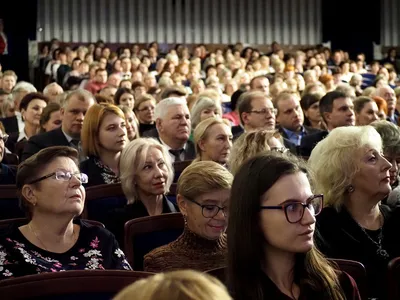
[(7, 173)]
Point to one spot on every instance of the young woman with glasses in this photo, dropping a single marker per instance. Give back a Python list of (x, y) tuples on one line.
[(271, 253), (203, 198), (52, 195)]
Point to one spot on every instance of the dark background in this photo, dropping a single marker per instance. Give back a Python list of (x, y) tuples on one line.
[(352, 29)]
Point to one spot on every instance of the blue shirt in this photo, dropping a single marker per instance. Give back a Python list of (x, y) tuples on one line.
[(295, 137)]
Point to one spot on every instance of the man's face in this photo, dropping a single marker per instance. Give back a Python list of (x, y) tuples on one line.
[(388, 94), (8, 83), (342, 113), (261, 84), (290, 114), (126, 65), (176, 123), (261, 116), (73, 114), (3, 98)]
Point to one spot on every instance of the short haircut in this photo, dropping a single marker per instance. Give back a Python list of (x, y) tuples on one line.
[(100, 70), (255, 78), (46, 114), (360, 102), (283, 96), (309, 99), (24, 86), (332, 160), (171, 90), (49, 86), (91, 126), (119, 94), (390, 134), (10, 73), (326, 102), (137, 84), (163, 106), (32, 167), (245, 100), (200, 105), (30, 97), (132, 161), (80, 94), (144, 98)]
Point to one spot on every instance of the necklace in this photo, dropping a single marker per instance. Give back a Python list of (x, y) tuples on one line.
[(380, 251), (41, 242)]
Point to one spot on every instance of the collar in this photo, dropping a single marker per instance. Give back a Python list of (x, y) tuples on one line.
[(168, 147), (21, 123), (68, 137), (22, 135), (293, 133), (194, 241)]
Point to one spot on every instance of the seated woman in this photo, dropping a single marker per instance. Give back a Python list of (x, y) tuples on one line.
[(390, 134), (213, 140), (50, 118), (176, 285), (366, 110), (273, 209), (31, 108), (103, 137), (310, 106), (250, 144), (124, 96), (52, 195), (203, 197), (146, 175), (354, 177), (144, 110), (132, 129), (7, 173), (204, 108)]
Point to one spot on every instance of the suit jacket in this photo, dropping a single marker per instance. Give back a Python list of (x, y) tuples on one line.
[(309, 141), (308, 130), (395, 121), (190, 151), (40, 141), (10, 124)]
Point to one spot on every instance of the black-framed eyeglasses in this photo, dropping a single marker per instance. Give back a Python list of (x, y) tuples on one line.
[(63, 176), (210, 211), (4, 138), (264, 111), (294, 211)]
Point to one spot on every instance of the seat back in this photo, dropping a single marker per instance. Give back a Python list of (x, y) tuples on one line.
[(394, 279), (172, 193), (102, 199), (93, 284), (179, 166), (10, 159), (9, 203), (356, 270), (142, 235)]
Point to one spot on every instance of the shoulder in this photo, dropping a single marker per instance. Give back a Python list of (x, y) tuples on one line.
[(316, 136), (151, 133), (89, 230), (311, 130), (87, 164)]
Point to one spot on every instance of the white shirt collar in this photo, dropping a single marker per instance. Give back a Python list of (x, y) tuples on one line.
[(169, 148), (22, 135)]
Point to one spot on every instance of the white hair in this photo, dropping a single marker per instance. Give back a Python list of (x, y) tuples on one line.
[(47, 88), (163, 106), (24, 86)]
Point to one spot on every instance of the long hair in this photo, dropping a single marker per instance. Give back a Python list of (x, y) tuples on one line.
[(246, 240)]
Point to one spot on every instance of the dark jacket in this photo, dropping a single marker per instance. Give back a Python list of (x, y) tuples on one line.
[(309, 141), (97, 173), (8, 174), (10, 124)]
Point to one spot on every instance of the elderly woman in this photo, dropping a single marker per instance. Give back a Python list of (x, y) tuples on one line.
[(390, 135), (273, 209), (203, 193), (252, 143), (354, 177), (103, 137), (144, 110), (146, 174), (50, 118), (52, 194), (204, 108), (366, 110), (213, 140)]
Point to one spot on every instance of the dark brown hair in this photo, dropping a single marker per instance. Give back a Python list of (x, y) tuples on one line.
[(46, 114), (30, 97)]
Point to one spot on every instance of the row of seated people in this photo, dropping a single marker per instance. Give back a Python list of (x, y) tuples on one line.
[(266, 208)]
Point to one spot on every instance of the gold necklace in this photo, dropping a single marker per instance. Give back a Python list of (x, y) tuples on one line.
[(37, 237)]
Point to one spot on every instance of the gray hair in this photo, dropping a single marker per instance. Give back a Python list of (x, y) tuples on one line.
[(24, 86), (200, 105), (390, 134), (49, 86), (81, 94), (162, 107)]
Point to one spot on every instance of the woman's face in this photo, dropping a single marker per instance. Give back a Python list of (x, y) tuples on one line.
[(368, 114), (130, 125), (208, 228), (54, 196), (145, 112), (112, 133), (152, 179), (279, 234), (381, 115), (373, 177), (33, 112), (394, 159), (208, 113), (54, 122), (117, 66), (127, 100), (218, 143), (312, 113)]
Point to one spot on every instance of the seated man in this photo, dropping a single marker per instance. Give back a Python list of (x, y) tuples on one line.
[(173, 128), (72, 113), (7, 173), (387, 93), (336, 110)]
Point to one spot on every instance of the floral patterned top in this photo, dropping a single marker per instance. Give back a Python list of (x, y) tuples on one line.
[(95, 249)]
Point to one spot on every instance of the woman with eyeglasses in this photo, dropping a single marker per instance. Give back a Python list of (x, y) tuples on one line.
[(355, 176), (144, 110), (271, 253), (52, 195), (203, 193)]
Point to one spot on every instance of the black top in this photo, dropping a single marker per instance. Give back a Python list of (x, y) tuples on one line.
[(118, 217), (340, 236), (97, 172), (7, 174), (95, 249), (10, 124), (146, 127), (309, 141)]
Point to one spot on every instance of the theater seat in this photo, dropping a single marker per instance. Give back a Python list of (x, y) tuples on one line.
[(179, 166), (145, 234), (9, 203), (394, 279), (172, 193), (76, 285)]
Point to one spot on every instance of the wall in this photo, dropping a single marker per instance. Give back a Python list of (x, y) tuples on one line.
[(296, 22), (390, 23)]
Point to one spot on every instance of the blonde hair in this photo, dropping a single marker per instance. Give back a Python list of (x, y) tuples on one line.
[(127, 110), (176, 285), (248, 145), (201, 132), (132, 161), (335, 160), (201, 104), (144, 98)]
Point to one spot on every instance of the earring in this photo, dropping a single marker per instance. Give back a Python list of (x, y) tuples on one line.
[(350, 189), (185, 219)]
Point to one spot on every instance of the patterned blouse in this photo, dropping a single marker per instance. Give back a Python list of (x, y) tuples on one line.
[(95, 249)]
